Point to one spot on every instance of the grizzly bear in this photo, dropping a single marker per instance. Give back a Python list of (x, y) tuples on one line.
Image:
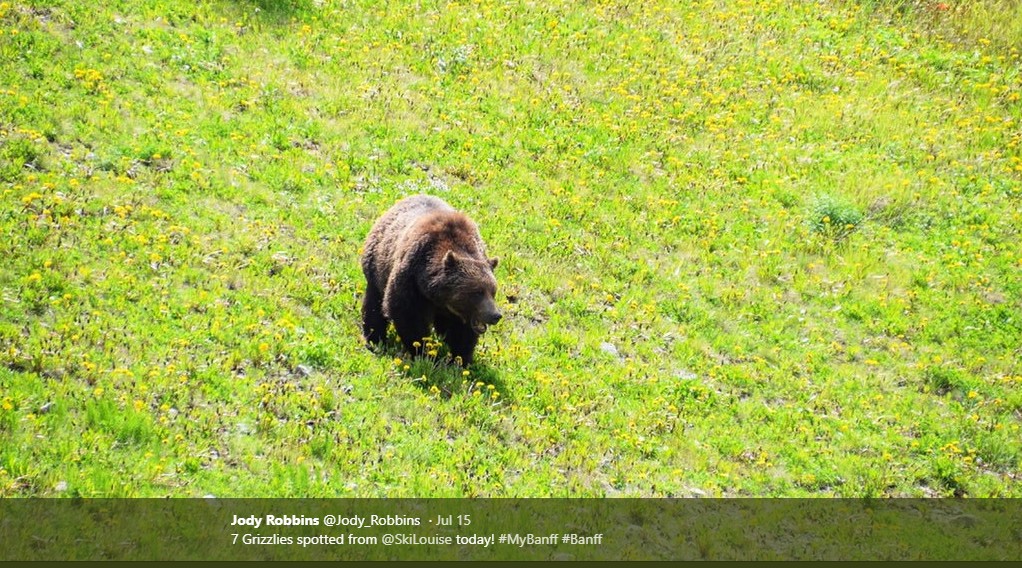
[(425, 264)]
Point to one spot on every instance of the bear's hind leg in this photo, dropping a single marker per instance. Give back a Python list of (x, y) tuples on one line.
[(459, 337), (374, 325)]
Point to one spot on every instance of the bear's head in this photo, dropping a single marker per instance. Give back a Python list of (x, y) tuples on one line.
[(468, 290)]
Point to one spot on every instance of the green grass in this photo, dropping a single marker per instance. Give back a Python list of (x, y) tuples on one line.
[(996, 23), (754, 248)]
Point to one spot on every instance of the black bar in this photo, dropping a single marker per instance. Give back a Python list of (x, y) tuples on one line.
[(533, 529)]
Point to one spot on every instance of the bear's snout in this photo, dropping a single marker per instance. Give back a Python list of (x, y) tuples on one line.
[(485, 319)]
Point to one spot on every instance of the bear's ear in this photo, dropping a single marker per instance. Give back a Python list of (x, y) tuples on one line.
[(450, 259), (493, 263)]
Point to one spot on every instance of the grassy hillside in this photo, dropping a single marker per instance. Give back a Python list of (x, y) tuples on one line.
[(754, 248)]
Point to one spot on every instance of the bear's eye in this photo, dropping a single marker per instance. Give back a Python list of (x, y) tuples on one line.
[(475, 295)]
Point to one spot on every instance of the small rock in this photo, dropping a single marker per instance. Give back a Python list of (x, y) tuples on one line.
[(60, 486), (304, 370), (609, 348), (994, 297), (685, 374)]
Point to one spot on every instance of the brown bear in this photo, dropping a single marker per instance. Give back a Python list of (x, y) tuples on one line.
[(425, 264)]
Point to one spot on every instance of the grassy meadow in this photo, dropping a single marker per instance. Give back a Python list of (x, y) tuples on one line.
[(751, 248)]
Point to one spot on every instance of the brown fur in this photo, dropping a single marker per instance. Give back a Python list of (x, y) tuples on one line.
[(426, 265)]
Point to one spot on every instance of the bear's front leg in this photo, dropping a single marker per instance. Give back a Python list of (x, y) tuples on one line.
[(459, 337), (409, 310), (413, 331)]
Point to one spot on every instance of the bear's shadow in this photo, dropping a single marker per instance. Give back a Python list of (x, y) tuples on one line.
[(439, 373)]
